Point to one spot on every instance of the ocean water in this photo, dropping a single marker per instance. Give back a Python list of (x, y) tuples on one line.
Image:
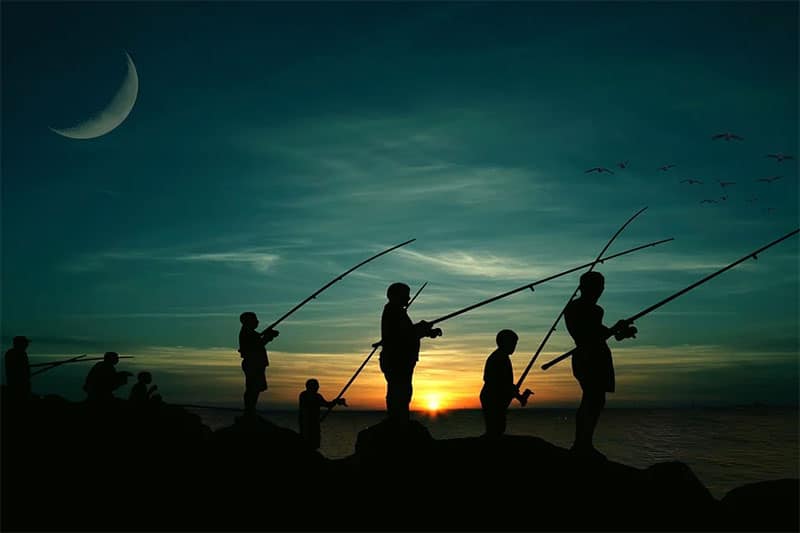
[(724, 447)]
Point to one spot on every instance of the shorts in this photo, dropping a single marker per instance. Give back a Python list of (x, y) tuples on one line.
[(255, 376)]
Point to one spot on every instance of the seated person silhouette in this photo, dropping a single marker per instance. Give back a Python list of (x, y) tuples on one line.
[(140, 393)]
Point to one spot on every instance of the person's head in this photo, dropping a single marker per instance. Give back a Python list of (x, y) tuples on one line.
[(249, 319), (111, 357), (507, 341), (144, 377), (312, 385), (21, 343), (592, 285), (398, 293)]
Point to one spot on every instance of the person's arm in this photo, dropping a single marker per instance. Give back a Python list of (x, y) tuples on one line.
[(623, 330), (584, 326), (426, 329), (267, 335), (325, 403), (522, 398)]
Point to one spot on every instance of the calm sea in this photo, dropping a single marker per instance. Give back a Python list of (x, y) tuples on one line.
[(725, 447)]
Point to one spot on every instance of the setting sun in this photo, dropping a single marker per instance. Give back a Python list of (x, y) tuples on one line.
[(434, 402)]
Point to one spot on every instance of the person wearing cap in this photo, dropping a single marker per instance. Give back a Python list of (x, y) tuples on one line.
[(103, 379), (400, 339), (18, 370)]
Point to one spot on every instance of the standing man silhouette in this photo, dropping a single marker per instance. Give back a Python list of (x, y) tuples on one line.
[(18, 370), (591, 363), (252, 348), (400, 353)]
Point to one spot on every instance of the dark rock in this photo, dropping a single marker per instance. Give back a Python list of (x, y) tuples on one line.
[(80, 467), (765, 506)]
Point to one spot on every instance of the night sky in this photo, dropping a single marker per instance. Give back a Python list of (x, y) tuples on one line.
[(273, 146)]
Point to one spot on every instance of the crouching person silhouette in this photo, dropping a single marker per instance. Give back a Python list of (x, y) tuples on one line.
[(103, 379), (498, 384)]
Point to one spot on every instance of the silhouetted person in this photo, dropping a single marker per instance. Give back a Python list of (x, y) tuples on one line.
[(308, 418), (498, 384), (140, 393), (400, 353), (591, 363), (18, 370), (103, 379), (252, 347)]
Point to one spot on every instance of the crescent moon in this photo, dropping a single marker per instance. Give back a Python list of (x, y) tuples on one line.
[(113, 114)]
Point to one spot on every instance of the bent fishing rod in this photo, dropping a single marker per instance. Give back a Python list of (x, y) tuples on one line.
[(631, 320), (374, 347), (539, 282), (77, 359), (334, 280), (561, 314)]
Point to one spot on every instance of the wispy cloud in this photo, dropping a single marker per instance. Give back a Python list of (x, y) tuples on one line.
[(476, 263), (259, 259)]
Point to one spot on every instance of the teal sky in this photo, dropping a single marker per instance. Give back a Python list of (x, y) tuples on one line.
[(272, 146)]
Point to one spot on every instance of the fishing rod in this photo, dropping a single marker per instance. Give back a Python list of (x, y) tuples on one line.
[(215, 407), (58, 362), (75, 360), (374, 347), (628, 321), (561, 314), (539, 282), (334, 280)]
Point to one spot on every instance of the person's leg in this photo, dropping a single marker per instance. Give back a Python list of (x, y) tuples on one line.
[(391, 392), (495, 425), (597, 402), (405, 392), (581, 422)]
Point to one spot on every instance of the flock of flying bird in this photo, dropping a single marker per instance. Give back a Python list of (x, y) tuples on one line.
[(727, 136)]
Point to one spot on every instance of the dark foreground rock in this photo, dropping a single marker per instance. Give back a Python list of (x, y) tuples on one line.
[(76, 467)]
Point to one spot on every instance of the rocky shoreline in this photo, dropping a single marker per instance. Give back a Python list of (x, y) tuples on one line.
[(71, 466)]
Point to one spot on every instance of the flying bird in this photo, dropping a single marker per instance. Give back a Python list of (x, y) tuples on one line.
[(665, 167), (691, 181), (707, 201), (724, 184), (622, 164), (779, 156), (723, 198), (727, 136), (770, 179), (599, 170)]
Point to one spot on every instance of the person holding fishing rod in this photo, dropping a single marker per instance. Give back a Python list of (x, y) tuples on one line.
[(18, 370), (252, 343), (252, 348), (592, 365), (400, 351)]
